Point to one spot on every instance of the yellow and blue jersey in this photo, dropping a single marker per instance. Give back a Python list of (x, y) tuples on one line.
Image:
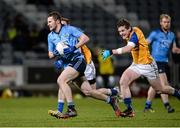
[(140, 53), (161, 43)]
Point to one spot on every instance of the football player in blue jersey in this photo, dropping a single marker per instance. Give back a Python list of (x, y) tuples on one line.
[(75, 63), (162, 41)]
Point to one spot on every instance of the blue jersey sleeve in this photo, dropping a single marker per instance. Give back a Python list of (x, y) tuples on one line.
[(50, 44), (151, 37), (76, 32), (174, 38), (134, 38)]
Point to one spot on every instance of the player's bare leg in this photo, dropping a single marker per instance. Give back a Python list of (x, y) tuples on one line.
[(151, 95), (126, 79), (67, 75), (164, 97), (88, 91)]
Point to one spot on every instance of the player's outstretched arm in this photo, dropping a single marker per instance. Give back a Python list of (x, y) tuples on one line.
[(107, 53)]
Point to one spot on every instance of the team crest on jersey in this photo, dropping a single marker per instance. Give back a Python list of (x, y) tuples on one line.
[(66, 35), (165, 43)]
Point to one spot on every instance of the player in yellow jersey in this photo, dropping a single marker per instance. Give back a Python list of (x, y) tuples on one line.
[(143, 64)]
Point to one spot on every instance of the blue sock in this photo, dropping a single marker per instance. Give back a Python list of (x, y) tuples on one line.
[(177, 94), (113, 92), (148, 104), (127, 102), (60, 106)]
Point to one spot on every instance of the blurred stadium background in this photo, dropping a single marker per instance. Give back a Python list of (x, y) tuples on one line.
[(24, 66)]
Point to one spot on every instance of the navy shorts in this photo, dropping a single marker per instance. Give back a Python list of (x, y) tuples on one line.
[(162, 67), (79, 65)]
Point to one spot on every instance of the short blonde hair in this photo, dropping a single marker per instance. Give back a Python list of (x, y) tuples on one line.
[(165, 16)]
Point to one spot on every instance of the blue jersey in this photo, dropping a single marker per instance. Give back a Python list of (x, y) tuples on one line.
[(161, 44), (68, 35)]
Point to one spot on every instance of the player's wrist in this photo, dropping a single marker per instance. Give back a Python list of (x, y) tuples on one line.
[(75, 47), (119, 51), (111, 52)]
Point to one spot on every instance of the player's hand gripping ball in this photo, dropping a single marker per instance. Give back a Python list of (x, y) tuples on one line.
[(69, 50)]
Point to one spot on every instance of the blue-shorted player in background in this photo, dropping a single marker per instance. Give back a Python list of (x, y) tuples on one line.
[(162, 41)]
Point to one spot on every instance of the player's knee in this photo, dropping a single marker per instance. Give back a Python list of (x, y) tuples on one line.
[(166, 89), (157, 90), (61, 81), (91, 92), (58, 81), (164, 84), (87, 92)]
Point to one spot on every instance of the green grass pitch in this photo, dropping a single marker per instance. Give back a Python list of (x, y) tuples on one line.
[(32, 112)]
